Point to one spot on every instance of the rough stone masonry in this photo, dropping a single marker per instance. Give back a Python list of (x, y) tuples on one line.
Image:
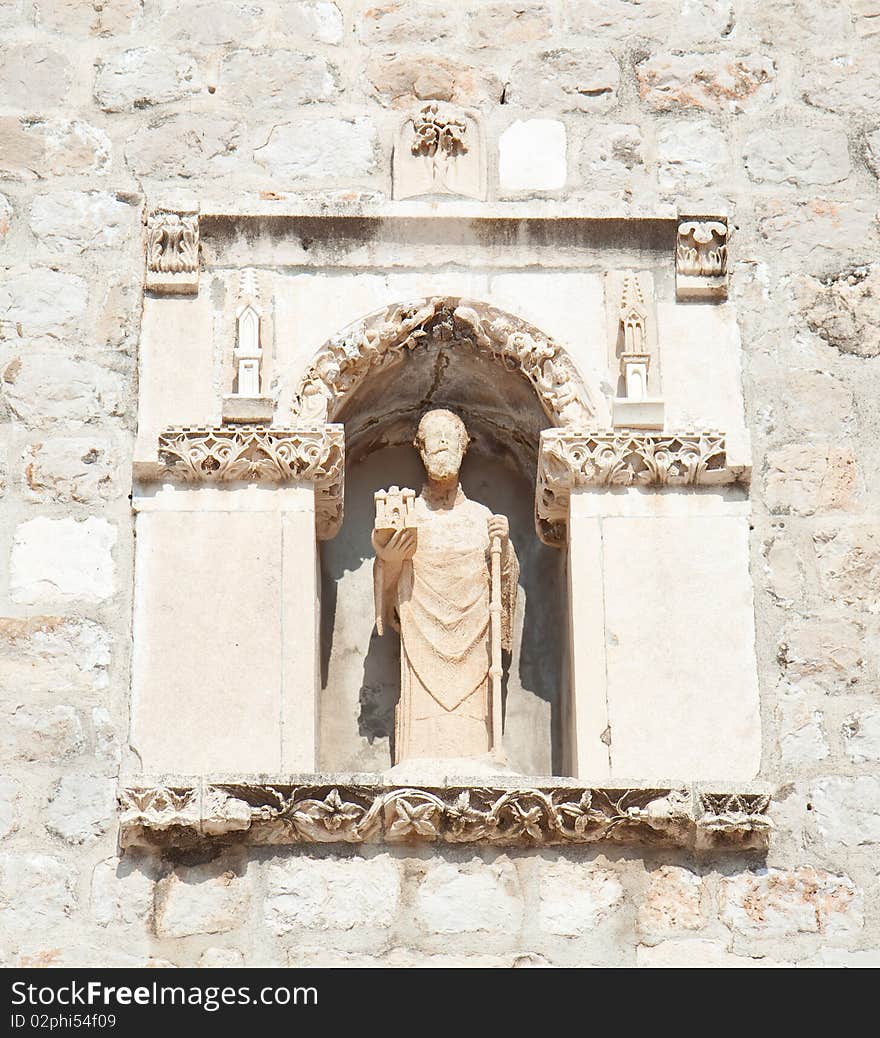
[(770, 109)]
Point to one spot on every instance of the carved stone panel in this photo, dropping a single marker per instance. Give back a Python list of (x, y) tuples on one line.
[(439, 150), (172, 252)]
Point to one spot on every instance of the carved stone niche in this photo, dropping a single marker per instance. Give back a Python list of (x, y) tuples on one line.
[(439, 150)]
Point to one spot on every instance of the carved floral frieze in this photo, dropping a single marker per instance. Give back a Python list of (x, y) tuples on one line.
[(172, 252), (545, 815), (570, 458), (386, 336), (257, 454), (701, 258)]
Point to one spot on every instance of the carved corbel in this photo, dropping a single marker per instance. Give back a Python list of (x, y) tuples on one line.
[(701, 257), (173, 252)]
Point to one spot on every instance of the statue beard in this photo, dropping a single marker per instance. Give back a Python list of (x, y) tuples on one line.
[(443, 469)]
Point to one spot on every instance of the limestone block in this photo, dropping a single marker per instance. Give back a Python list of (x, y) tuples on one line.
[(691, 156), (801, 733), (122, 889), (213, 23), (33, 77), (145, 76), (826, 656), (305, 894), (30, 149), (613, 157), (805, 479), (848, 561), (108, 748), (6, 216), (783, 569), (872, 144), (861, 736), (399, 80), (795, 155), (816, 403), (784, 902), (73, 222), (221, 958), (666, 717), (815, 231), (318, 20), (40, 303), (287, 78), (60, 654), (10, 793), (64, 560), (566, 80), (70, 17), (36, 890), (841, 81), (575, 898), (42, 388), (82, 807), (532, 156), (316, 148), (81, 469), (203, 145), (846, 811), (42, 732), (699, 954), (503, 25), (712, 82), (401, 22), (203, 899), (844, 309), (484, 898), (671, 902), (844, 959)]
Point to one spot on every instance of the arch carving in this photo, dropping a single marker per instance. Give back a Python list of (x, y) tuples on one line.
[(372, 342)]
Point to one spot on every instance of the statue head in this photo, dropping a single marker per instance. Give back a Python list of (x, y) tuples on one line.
[(441, 440)]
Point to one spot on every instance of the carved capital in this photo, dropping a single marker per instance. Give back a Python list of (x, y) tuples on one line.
[(257, 454), (701, 258), (569, 459), (544, 815), (172, 252)]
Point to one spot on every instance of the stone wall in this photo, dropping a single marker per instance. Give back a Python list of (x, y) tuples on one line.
[(769, 108)]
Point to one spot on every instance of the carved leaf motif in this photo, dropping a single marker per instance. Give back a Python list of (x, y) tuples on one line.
[(414, 818)]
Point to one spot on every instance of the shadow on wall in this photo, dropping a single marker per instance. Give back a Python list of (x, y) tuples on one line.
[(360, 672)]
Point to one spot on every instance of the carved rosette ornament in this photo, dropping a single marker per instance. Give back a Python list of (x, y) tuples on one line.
[(701, 258), (257, 454), (531, 816), (569, 459), (172, 252), (385, 337)]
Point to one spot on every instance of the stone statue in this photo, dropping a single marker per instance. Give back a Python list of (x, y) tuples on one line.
[(434, 583)]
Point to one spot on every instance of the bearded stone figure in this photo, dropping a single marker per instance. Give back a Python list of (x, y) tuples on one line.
[(433, 578)]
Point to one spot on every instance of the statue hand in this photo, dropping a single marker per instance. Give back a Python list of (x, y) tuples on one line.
[(498, 527), (399, 547)]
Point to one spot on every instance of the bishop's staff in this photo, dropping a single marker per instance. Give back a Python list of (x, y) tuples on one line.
[(495, 671)]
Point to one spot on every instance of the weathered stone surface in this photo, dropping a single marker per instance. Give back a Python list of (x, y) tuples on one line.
[(806, 479), (45, 733), (81, 469), (221, 958), (73, 17), (41, 389), (861, 736), (108, 750), (848, 560), (716, 82), (81, 808), (801, 733), (81, 221), (400, 80), (696, 22), (318, 20), (313, 148), (343, 894), (10, 792), (699, 954), (400, 22), (691, 156), (823, 655), (198, 899), (671, 902), (503, 25), (844, 309), (568, 80), (286, 78), (575, 898), (846, 811), (213, 23), (63, 560), (784, 902), (5, 217), (122, 889), (144, 77), (33, 76), (784, 570), (452, 899), (35, 890), (839, 81), (814, 404), (52, 653), (39, 303), (872, 151), (185, 146), (816, 231), (613, 157), (532, 156), (397, 958), (38, 147), (797, 155)]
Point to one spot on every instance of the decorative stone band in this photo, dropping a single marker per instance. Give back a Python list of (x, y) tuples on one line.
[(701, 258), (257, 454), (172, 252), (542, 815), (569, 459)]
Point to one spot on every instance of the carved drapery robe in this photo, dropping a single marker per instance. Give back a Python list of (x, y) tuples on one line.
[(439, 602)]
